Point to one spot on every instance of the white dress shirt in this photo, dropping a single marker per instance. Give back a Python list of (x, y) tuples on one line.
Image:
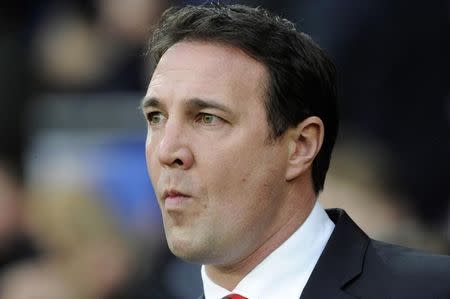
[(284, 273)]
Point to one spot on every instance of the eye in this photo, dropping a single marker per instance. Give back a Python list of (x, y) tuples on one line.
[(155, 118), (208, 119)]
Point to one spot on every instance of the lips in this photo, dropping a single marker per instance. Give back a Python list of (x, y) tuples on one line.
[(174, 199), (173, 193)]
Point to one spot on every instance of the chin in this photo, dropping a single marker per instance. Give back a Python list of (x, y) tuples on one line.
[(180, 248), (186, 251)]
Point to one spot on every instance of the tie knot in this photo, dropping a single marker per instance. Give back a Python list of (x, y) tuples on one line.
[(234, 296)]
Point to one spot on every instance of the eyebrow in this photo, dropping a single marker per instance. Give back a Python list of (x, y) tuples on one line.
[(151, 102), (198, 104), (194, 104)]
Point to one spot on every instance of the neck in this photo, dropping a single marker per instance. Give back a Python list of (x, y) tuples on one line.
[(290, 218)]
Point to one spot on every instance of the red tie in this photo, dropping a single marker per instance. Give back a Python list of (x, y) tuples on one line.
[(234, 296)]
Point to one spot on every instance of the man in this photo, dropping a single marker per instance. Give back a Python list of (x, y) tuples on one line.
[(241, 113)]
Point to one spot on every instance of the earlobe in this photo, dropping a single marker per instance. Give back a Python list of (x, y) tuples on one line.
[(305, 142)]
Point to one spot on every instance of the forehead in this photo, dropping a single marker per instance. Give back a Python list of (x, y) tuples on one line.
[(190, 68)]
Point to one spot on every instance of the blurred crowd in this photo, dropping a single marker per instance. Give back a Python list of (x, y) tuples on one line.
[(78, 218)]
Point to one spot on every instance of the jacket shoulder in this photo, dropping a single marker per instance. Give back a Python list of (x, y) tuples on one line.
[(414, 273), (363, 268)]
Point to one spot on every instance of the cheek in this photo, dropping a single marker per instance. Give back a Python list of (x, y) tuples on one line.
[(149, 136), (149, 147), (231, 170), (251, 169), (151, 157)]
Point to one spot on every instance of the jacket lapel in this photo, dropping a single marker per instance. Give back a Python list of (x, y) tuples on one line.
[(340, 262)]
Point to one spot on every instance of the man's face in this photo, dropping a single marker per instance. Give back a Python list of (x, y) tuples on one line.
[(218, 180)]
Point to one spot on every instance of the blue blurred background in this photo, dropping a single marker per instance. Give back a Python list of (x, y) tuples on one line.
[(78, 217)]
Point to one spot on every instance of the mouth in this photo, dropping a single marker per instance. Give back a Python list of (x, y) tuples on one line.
[(174, 199)]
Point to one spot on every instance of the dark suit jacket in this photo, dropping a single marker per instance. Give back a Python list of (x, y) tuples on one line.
[(354, 266)]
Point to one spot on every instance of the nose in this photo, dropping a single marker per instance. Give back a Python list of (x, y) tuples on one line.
[(174, 149)]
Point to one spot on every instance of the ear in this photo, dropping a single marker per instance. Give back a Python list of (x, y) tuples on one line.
[(305, 141)]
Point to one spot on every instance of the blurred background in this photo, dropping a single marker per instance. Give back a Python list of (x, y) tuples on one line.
[(78, 218)]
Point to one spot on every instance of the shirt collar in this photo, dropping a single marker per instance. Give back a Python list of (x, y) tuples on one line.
[(284, 273)]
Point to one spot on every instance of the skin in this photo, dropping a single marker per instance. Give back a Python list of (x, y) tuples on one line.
[(234, 195)]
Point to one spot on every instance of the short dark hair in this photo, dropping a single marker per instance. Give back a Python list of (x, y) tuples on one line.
[(302, 79)]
